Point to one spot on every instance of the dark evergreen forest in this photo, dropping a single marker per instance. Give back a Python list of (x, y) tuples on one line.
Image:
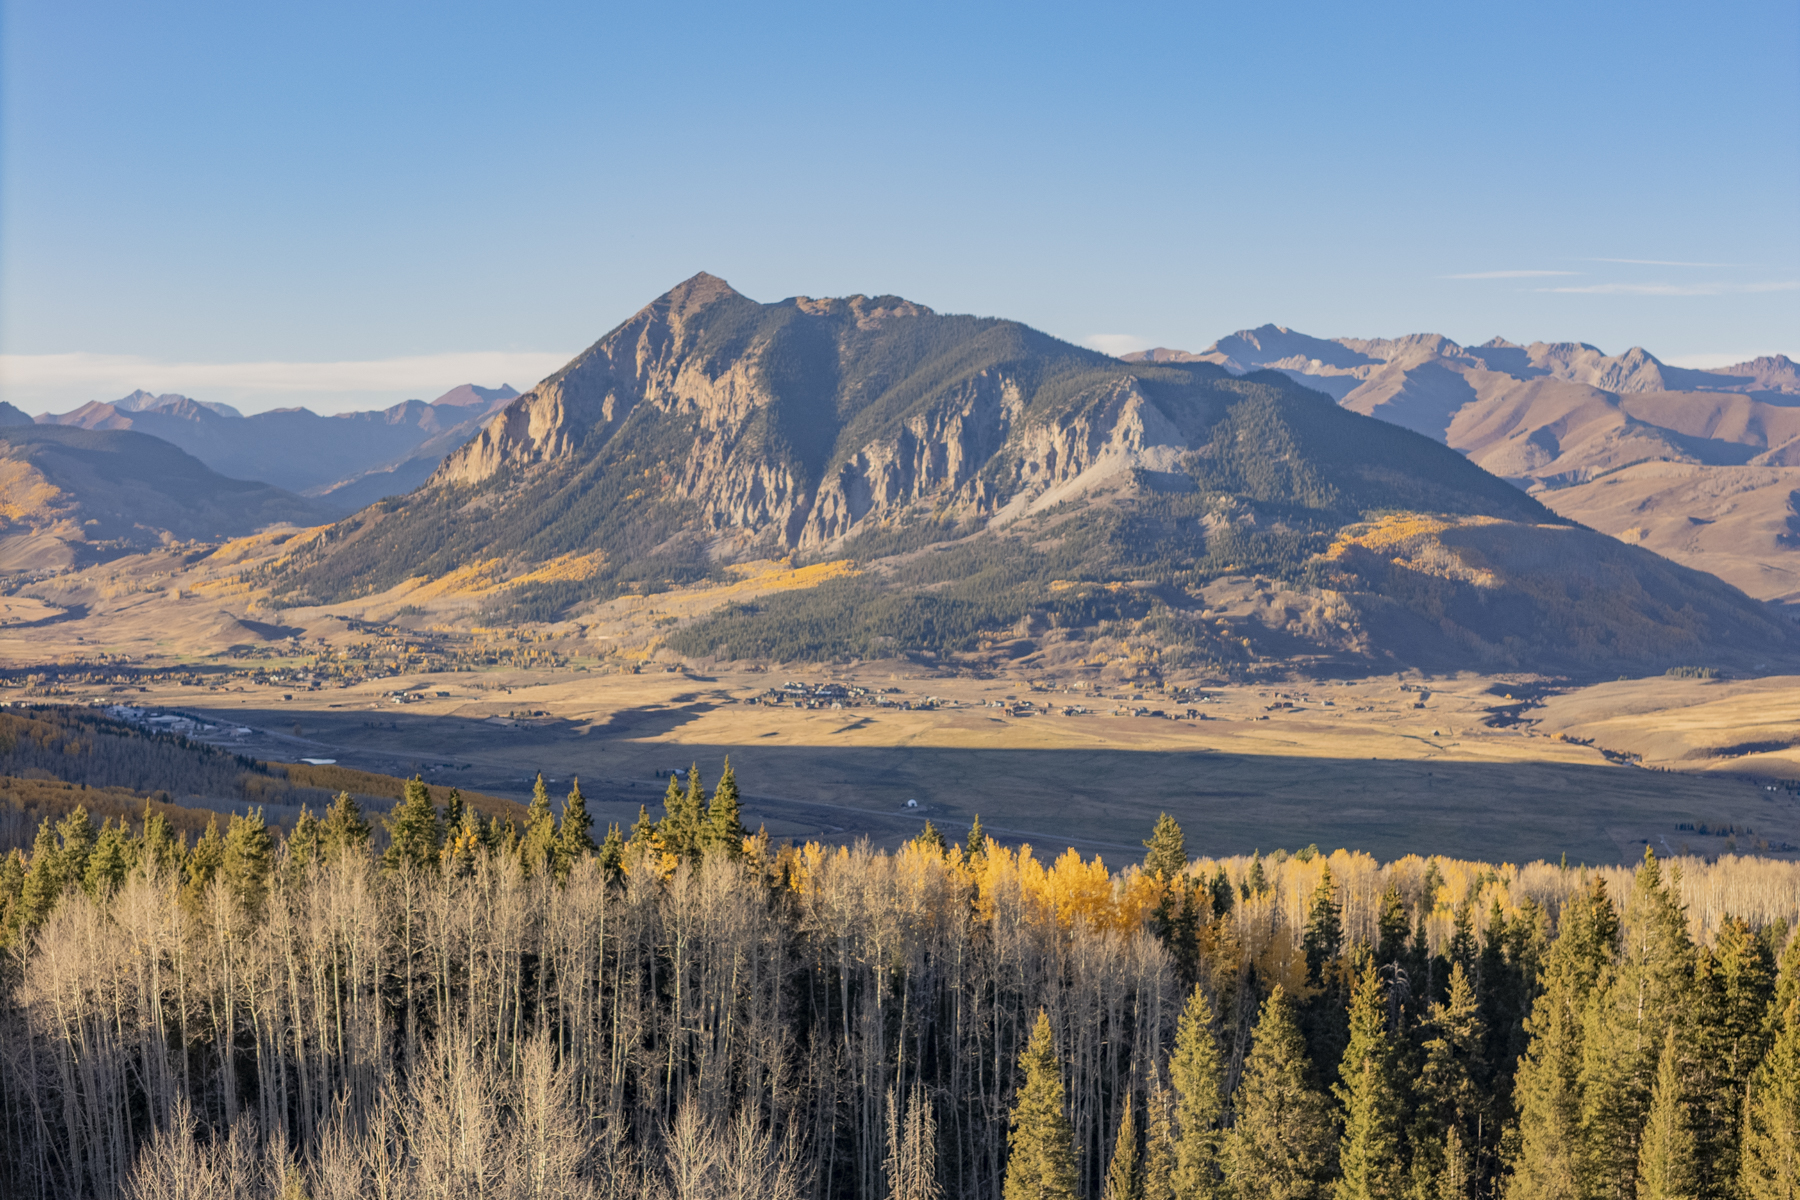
[(490, 1008)]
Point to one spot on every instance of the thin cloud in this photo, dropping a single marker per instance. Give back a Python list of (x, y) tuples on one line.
[(36, 382), (1115, 344), (1658, 262), (1673, 289), (1509, 274)]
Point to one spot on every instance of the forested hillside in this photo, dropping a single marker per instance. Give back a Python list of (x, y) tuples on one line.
[(684, 1010)]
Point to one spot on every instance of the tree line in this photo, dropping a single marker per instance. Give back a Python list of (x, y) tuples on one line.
[(486, 1007)]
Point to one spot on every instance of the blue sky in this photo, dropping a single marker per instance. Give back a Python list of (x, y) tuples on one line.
[(347, 204)]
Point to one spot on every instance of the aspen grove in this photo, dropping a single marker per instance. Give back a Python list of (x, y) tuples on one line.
[(450, 1006)]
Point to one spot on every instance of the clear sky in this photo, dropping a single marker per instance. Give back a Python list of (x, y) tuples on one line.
[(348, 204)]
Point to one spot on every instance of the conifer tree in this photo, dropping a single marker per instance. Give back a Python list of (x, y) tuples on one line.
[(1256, 880), (977, 844), (1624, 1028), (464, 844), (644, 836), (1462, 950), (576, 840), (1122, 1170), (725, 817), (1040, 1160), (203, 863), (306, 845), (1282, 1142), (159, 851), (1393, 929), (453, 811), (1448, 1096), (346, 830), (415, 834), (1158, 1174), (1167, 849), (1457, 1172), (1222, 894), (1324, 934), (107, 865), (77, 833), (1770, 1154), (930, 840), (1198, 1080), (537, 845), (1371, 1092), (248, 859), (1668, 1159), (612, 852), (44, 880), (1547, 1162), (1733, 983), (12, 896)]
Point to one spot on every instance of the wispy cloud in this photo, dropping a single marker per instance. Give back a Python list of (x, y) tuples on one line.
[(1658, 262), (1674, 289), (1509, 274), (1115, 343), (36, 382)]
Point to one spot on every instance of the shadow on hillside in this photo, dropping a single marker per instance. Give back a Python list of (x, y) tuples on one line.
[(1099, 800)]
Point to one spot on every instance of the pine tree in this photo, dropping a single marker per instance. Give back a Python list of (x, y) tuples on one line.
[(1624, 1028), (44, 879), (977, 844), (12, 896), (537, 847), (576, 840), (1734, 982), (1392, 927), (203, 863), (1449, 1099), (249, 857), (305, 846), (1324, 934), (464, 844), (159, 851), (1256, 880), (1668, 1160), (1462, 940), (612, 852), (107, 865), (1372, 1095), (453, 811), (1457, 1173), (77, 833), (1282, 1143), (1198, 1080), (1040, 1160), (1121, 1171), (644, 838), (1167, 849), (930, 841), (346, 831), (725, 818), (1158, 1174), (1547, 1162), (1222, 895), (1770, 1153), (415, 833)]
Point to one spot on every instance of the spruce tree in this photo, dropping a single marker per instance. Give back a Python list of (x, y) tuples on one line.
[(1222, 895), (107, 865), (1198, 1080), (931, 841), (453, 811), (203, 863), (346, 830), (77, 833), (248, 859), (1546, 1164), (612, 852), (159, 851), (1733, 981), (1448, 1096), (725, 819), (1456, 1175), (415, 834), (305, 846), (1167, 849), (1372, 1094), (12, 896), (575, 842), (644, 838), (1158, 1174), (1122, 1170), (44, 880), (1668, 1159), (1624, 1028), (537, 846), (1282, 1142), (1040, 1160), (976, 848), (1462, 940), (1770, 1153), (1393, 928), (1324, 934)]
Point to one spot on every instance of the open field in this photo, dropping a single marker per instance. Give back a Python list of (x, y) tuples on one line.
[(1393, 766)]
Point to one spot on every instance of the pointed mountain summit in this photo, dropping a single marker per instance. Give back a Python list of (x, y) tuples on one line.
[(987, 489)]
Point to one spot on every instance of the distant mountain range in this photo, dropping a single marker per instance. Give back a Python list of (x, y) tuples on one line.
[(1702, 466), (1006, 496), (345, 461)]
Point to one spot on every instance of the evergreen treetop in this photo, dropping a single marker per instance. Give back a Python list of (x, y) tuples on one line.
[(1040, 1161)]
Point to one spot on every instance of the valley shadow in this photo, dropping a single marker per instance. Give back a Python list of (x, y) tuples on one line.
[(1097, 800)]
